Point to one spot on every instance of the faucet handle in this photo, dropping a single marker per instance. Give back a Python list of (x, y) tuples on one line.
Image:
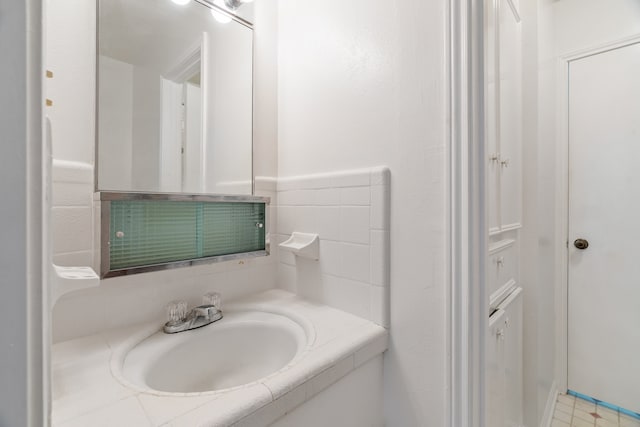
[(176, 312), (212, 298)]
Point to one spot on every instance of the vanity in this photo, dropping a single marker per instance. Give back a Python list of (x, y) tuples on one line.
[(318, 346)]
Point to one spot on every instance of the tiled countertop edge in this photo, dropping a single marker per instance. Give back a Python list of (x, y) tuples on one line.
[(305, 391)]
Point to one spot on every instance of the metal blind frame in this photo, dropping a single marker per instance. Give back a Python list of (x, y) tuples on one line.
[(105, 230)]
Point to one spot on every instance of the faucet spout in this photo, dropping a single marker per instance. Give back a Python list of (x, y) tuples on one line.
[(198, 317), (206, 311)]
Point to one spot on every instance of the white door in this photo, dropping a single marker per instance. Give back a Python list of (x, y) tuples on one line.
[(193, 157), (604, 209), (171, 137)]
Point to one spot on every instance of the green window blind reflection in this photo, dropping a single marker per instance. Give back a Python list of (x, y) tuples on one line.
[(150, 232)]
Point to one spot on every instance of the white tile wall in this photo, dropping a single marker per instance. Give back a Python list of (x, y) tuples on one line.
[(72, 213), (350, 212), (141, 297)]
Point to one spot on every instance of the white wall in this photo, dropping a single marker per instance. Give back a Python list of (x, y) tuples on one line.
[(265, 90), (70, 55), (128, 126), (585, 23), (72, 214), (228, 126), (349, 210), (363, 83), (537, 258), (147, 102), (115, 128)]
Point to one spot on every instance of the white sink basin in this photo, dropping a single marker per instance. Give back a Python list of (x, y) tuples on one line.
[(243, 347)]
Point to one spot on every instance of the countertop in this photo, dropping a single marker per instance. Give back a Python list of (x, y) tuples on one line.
[(87, 391)]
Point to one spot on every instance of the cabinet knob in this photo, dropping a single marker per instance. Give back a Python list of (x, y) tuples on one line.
[(505, 163)]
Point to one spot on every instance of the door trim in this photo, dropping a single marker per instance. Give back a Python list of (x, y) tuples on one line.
[(562, 199), (468, 314)]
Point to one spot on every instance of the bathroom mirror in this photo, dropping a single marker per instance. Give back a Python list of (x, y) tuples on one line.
[(174, 98)]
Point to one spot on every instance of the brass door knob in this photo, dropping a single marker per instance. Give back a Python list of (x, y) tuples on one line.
[(581, 244)]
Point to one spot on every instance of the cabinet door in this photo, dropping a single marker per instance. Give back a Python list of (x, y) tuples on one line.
[(510, 117), (491, 114), (495, 370), (513, 359)]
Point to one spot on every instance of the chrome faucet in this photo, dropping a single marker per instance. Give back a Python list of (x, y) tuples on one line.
[(180, 321)]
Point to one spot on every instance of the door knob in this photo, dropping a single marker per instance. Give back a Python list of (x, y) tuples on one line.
[(581, 244)]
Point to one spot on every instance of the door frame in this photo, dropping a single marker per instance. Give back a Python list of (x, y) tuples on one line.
[(24, 306), (562, 198), (467, 308)]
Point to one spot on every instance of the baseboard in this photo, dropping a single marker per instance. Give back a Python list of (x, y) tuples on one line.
[(550, 406)]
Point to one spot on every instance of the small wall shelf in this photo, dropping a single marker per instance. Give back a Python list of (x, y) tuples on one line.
[(305, 245), (70, 279)]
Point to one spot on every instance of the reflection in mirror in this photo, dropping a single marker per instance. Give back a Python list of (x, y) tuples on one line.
[(174, 99)]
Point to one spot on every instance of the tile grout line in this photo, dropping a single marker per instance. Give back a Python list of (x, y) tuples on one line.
[(576, 405)]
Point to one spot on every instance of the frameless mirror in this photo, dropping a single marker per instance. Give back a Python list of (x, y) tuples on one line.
[(174, 98)]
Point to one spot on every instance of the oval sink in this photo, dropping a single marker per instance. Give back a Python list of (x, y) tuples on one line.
[(241, 348)]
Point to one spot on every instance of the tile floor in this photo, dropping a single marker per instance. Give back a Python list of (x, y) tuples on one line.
[(575, 412)]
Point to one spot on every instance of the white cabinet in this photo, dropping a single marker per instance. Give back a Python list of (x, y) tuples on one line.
[(510, 136), (513, 360), (503, 136), (495, 370), (502, 270), (504, 364), (503, 112), (491, 114)]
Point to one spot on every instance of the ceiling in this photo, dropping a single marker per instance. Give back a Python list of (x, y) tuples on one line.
[(156, 34)]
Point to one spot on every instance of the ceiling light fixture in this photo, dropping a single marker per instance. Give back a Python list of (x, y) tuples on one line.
[(233, 4), (229, 6), (181, 2), (218, 13)]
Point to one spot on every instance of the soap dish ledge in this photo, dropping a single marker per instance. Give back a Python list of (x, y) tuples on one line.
[(305, 245)]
